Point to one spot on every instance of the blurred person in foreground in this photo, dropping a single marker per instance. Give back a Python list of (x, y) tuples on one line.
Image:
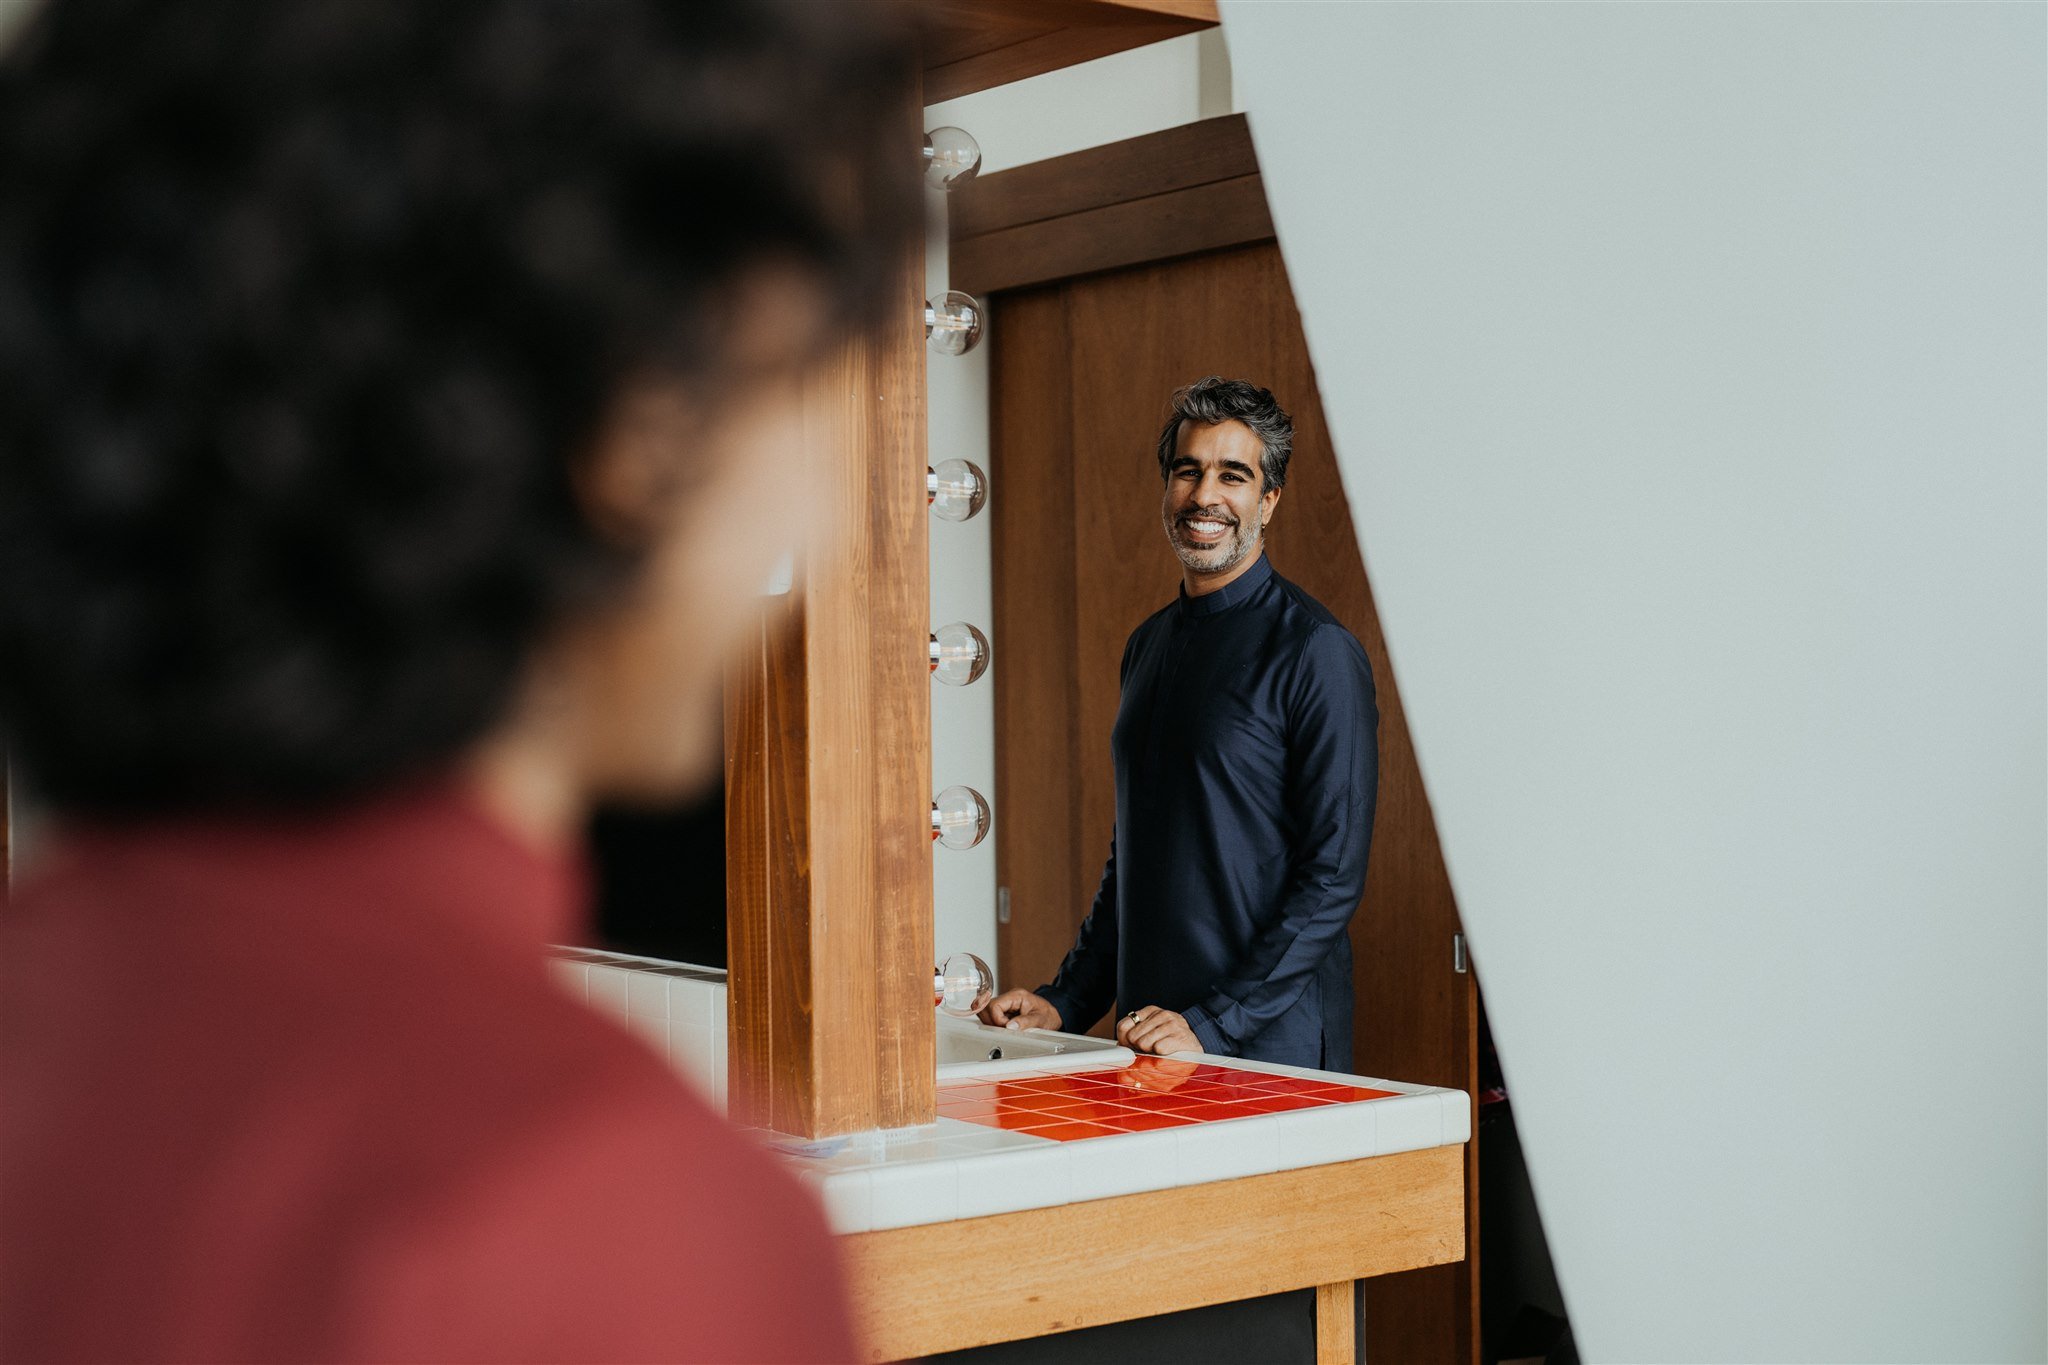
[(400, 415)]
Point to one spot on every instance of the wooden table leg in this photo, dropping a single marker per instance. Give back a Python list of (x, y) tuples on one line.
[(1335, 1344)]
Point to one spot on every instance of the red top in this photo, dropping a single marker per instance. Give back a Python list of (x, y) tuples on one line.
[(304, 1090)]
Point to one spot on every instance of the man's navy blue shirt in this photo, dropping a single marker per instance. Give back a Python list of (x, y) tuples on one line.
[(1246, 750)]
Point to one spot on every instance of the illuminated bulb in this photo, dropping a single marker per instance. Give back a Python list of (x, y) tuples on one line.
[(960, 817), (952, 326), (962, 984), (956, 490), (951, 157), (959, 654)]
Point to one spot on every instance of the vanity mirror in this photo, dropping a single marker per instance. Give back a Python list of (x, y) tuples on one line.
[(1109, 278)]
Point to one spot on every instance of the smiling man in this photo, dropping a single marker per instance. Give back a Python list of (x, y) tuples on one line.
[(1246, 767)]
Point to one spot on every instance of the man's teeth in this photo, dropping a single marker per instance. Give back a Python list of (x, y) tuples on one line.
[(1206, 528)]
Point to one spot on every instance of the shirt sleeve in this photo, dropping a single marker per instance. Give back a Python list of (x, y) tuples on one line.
[(1332, 783), (1085, 985)]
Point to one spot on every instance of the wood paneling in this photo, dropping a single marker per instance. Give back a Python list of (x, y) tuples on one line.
[(1115, 345), (1040, 857), (971, 45), (1224, 213), (1189, 189), (976, 1281), (828, 764), (1336, 1343), (767, 875), (1137, 168)]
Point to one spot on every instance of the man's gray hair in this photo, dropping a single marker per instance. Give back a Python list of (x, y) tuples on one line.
[(1214, 400)]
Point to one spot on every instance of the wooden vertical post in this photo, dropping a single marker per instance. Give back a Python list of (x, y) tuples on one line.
[(1336, 1341), (828, 775)]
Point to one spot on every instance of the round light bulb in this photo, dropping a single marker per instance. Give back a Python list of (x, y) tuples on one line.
[(952, 324), (951, 157), (962, 984), (960, 817), (955, 490), (959, 654)]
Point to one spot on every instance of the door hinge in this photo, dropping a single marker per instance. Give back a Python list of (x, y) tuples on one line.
[(1459, 962), (1002, 905)]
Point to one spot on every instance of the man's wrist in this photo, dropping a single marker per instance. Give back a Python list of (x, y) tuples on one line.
[(1061, 1006), (1203, 1025)]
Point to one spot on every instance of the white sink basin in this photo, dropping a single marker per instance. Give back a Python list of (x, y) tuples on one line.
[(969, 1048)]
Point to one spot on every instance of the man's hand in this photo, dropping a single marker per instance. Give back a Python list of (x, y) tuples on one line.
[(1152, 1029), (1020, 1009)]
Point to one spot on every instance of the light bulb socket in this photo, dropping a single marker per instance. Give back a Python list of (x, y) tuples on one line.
[(951, 157), (953, 323), (958, 654), (956, 490), (960, 817)]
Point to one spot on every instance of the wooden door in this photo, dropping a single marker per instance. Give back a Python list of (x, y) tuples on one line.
[(1081, 371)]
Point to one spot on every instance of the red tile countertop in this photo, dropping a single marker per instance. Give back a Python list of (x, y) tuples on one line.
[(1150, 1094)]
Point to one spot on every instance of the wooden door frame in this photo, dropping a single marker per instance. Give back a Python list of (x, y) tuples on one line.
[(1185, 191), (1147, 199)]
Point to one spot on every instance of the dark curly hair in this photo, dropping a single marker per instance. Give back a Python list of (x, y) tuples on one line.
[(1216, 399), (307, 306)]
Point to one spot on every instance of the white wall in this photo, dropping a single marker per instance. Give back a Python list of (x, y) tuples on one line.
[(963, 718), (1117, 97), (1685, 364)]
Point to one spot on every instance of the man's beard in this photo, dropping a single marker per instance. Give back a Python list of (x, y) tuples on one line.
[(1226, 554)]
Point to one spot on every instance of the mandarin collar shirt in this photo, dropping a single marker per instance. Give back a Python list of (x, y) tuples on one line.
[(1245, 752)]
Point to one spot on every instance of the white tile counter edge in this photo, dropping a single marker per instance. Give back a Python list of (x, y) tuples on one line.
[(951, 1170)]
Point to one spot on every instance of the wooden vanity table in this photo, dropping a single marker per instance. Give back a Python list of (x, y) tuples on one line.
[(1129, 1191), (1229, 1240)]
